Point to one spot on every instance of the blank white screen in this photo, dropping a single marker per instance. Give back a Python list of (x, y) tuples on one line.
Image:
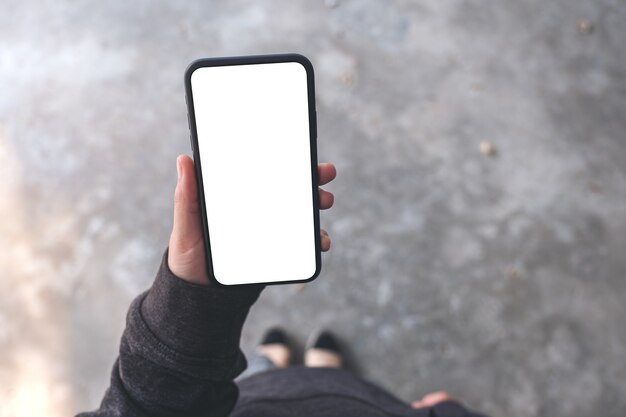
[(252, 125)]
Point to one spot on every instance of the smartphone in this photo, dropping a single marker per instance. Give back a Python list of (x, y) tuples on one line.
[(253, 134)]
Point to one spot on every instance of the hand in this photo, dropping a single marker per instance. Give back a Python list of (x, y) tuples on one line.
[(432, 399), (186, 257)]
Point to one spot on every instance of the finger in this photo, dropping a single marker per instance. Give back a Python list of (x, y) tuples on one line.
[(326, 172), (436, 397), (325, 240), (433, 399), (186, 229), (326, 199), (417, 404)]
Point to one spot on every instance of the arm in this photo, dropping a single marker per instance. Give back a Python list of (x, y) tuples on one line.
[(180, 350)]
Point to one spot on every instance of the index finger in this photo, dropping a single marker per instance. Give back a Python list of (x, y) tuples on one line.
[(326, 172)]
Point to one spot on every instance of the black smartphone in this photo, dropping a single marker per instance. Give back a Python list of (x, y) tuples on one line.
[(253, 134)]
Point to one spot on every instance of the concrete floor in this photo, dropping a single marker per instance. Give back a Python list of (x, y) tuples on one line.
[(500, 278)]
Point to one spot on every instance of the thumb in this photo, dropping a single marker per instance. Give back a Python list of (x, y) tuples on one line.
[(186, 257), (186, 231)]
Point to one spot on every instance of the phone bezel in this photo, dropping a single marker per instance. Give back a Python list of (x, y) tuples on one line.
[(252, 60)]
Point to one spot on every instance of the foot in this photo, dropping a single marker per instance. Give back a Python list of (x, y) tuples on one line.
[(323, 352), (275, 347)]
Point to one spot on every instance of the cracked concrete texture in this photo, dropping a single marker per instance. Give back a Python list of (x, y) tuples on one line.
[(499, 278)]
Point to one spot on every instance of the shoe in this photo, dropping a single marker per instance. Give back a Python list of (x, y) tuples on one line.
[(275, 335), (323, 351), (275, 346)]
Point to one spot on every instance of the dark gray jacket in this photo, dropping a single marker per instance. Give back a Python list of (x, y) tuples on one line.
[(180, 353)]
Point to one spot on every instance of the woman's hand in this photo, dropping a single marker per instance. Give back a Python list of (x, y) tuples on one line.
[(186, 249)]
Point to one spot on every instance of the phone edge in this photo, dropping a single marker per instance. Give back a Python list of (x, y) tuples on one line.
[(247, 60)]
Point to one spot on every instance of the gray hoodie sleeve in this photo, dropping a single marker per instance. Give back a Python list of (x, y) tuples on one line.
[(180, 351)]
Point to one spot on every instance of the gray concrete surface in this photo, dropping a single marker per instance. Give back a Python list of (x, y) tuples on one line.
[(499, 278)]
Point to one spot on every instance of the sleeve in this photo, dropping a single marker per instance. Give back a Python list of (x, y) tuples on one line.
[(180, 351)]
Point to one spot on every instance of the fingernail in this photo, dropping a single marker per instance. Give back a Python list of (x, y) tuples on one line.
[(178, 168)]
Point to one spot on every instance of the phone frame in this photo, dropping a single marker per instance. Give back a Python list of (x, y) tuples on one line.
[(191, 119)]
